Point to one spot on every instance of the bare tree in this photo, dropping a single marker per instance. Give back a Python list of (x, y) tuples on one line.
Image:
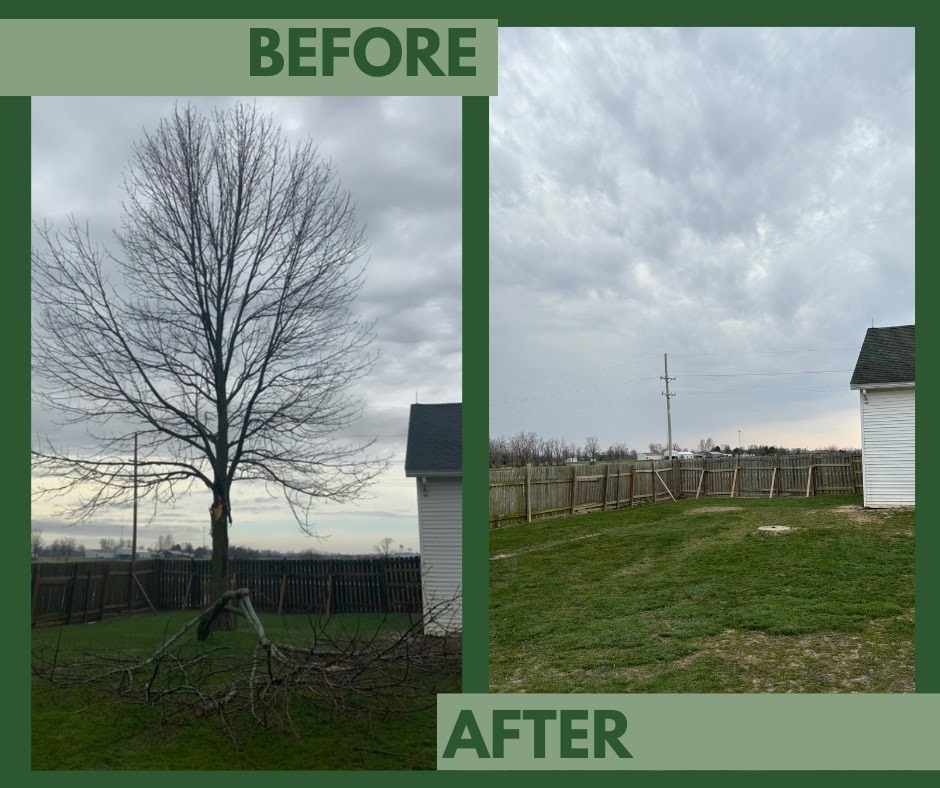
[(618, 451), (219, 329), (65, 547), (384, 547), (37, 543), (164, 542), (705, 444), (523, 447), (657, 448), (591, 447), (499, 452)]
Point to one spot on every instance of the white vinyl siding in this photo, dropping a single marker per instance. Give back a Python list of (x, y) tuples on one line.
[(440, 533), (888, 447)]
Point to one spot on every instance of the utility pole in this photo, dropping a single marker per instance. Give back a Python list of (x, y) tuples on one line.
[(134, 539), (668, 397)]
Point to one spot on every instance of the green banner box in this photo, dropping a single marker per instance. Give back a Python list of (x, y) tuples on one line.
[(644, 731), (229, 57)]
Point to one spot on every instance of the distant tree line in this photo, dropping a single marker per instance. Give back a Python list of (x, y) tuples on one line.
[(68, 548), (528, 447), (63, 547)]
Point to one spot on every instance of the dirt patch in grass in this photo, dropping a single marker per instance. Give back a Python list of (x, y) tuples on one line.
[(713, 509), (633, 569), (543, 546), (818, 662), (539, 676), (858, 514), (863, 516)]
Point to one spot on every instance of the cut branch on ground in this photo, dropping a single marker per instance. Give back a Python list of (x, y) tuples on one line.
[(196, 673)]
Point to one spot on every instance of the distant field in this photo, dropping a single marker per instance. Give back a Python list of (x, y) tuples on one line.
[(688, 597), (70, 730)]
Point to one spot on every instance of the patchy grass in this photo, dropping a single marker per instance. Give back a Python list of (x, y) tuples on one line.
[(688, 597), (70, 730)]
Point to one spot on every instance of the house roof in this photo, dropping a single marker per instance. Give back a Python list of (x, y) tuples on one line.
[(435, 447), (887, 356)]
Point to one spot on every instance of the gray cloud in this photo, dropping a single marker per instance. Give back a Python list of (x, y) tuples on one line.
[(399, 157), (716, 194)]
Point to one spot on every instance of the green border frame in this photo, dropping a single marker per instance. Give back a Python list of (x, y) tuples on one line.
[(528, 13), (476, 312), (14, 221)]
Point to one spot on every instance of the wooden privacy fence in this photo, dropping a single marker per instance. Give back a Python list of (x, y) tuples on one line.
[(538, 492), (81, 591)]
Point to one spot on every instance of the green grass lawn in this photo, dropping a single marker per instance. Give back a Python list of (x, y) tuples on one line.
[(73, 729), (688, 597)]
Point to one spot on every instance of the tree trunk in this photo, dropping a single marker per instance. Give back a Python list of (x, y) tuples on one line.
[(220, 569)]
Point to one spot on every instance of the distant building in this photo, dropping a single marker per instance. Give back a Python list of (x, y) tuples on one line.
[(884, 378), (434, 459), (124, 553), (175, 554)]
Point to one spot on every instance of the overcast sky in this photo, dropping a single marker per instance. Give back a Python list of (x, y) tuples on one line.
[(400, 159), (740, 199)]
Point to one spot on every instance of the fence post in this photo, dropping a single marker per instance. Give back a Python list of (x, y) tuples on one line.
[(190, 585), (37, 582), (86, 595), (653, 480), (70, 595), (528, 492), (809, 478), (156, 587), (606, 478), (105, 574), (280, 601), (574, 487), (383, 584), (619, 494), (632, 483)]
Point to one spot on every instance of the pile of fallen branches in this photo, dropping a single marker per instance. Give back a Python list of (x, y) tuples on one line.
[(374, 671)]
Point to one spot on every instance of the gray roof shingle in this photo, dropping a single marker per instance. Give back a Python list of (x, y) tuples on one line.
[(887, 356), (434, 440)]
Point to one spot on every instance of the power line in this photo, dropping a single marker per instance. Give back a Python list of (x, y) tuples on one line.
[(562, 407), (762, 390), (600, 387), (758, 374), (694, 353), (768, 352), (570, 392)]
